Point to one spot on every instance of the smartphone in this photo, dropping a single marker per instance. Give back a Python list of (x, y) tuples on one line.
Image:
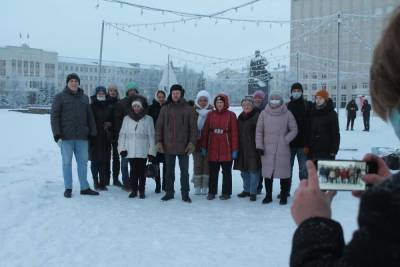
[(344, 175)]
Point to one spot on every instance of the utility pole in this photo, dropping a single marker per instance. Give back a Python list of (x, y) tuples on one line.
[(101, 55), (339, 21), (168, 74), (297, 66)]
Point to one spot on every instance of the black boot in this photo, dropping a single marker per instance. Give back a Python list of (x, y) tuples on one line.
[(96, 183), (158, 185), (142, 195), (68, 193), (167, 197), (116, 182), (243, 194), (285, 183), (253, 197), (89, 192), (186, 199), (133, 194), (268, 190)]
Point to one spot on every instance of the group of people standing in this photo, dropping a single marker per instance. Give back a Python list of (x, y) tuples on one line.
[(262, 142), (352, 109)]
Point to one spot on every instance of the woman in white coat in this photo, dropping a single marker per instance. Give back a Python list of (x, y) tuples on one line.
[(136, 142)]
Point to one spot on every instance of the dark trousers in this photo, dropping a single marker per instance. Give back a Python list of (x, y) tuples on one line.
[(137, 177), (99, 172), (366, 122), (350, 120), (170, 177), (226, 177), (115, 163), (260, 185)]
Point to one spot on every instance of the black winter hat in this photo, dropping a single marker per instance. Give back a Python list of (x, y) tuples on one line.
[(296, 86), (177, 87), (73, 76)]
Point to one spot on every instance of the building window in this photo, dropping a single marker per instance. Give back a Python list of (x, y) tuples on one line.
[(343, 101), (32, 68), (354, 97), (324, 76), (354, 86), (314, 75), (37, 69), (19, 67), (13, 66), (305, 87), (49, 70), (343, 87), (25, 68), (2, 67), (314, 86), (323, 86), (365, 85)]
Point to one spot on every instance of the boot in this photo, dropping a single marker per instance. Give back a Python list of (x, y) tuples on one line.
[(68, 193), (268, 190), (285, 183), (133, 195), (186, 199), (224, 197), (243, 194), (197, 191), (167, 197), (158, 185), (210, 196), (253, 197), (116, 182), (89, 192), (142, 195), (96, 183)]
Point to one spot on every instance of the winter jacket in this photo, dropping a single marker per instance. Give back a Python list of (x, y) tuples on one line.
[(220, 134), (120, 111), (352, 109), (155, 107), (100, 146), (276, 128), (300, 109), (248, 158), (113, 102), (320, 242), (71, 116), (137, 137), (366, 109), (176, 127), (323, 137), (201, 115)]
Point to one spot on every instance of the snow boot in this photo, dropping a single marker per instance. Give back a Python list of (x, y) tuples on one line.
[(116, 182), (268, 191), (224, 197), (186, 199), (210, 197), (68, 193), (158, 185), (89, 192), (142, 195), (253, 197), (244, 194), (167, 197), (284, 191)]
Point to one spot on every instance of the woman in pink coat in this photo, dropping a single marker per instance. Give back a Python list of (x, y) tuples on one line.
[(276, 128)]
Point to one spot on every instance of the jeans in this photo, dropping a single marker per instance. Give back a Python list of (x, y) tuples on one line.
[(226, 177), (170, 177), (124, 171), (250, 181), (301, 160), (79, 148)]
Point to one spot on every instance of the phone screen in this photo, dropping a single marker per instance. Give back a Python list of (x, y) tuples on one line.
[(342, 175)]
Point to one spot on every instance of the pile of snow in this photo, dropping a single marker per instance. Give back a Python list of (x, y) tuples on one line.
[(39, 227)]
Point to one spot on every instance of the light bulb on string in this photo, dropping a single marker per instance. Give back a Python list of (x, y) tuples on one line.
[(141, 12), (243, 27), (258, 23), (251, 8), (162, 13), (270, 26), (195, 24), (216, 21), (154, 29), (121, 5), (230, 21)]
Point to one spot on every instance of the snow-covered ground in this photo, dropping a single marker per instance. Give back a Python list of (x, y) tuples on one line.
[(39, 227)]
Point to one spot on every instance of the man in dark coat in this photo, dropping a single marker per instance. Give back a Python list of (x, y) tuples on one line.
[(322, 136), (352, 109), (73, 124), (176, 136), (366, 112), (260, 102), (120, 111), (112, 99), (154, 111), (300, 109), (100, 146)]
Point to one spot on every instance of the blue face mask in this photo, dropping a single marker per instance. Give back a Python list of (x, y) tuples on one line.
[(395, 120), (296, 95)]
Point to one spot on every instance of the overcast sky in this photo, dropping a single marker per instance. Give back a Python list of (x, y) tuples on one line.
[(72, 28)]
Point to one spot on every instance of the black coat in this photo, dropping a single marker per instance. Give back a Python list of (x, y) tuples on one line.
[(323, 136), (301, 110), (154, 110), (113, 102), (320, 242), (366, 109), (352, 109), (100, 146), (248, 158), (71, 116), (121, 109)]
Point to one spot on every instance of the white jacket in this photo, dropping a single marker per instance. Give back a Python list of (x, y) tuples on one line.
[(137, 137)]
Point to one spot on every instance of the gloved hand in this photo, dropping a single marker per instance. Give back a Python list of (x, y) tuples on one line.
[(204, 152), (57, 137), (260, 151), (190, 149), (234, 155), (151, 158), (160, 148), (124, 153)]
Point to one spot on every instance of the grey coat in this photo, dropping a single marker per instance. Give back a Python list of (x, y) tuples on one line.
[(276, 128), (71, 116)]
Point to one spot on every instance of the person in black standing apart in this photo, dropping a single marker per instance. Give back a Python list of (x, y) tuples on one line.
[(154, 110), (100, 146), (352, 109), (366, 112), (113, 98)]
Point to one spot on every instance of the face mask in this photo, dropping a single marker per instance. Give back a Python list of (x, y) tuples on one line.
[(274, 102), (296, 95), (395, 121), (101, 98)]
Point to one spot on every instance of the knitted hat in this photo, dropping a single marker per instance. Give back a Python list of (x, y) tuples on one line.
[(248, 100), (259, 94), (100, 89), (322, 93), (276, 93), (177, 87), (73, 76), (131, 87), (296, 86), (137, 103)]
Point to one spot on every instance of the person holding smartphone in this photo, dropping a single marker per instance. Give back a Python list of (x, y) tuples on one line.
[(318, 240)]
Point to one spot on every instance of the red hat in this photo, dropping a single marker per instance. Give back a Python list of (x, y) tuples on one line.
[(322, 93)]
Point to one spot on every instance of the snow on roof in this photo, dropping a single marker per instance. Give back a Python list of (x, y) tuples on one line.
[(94, 62)]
